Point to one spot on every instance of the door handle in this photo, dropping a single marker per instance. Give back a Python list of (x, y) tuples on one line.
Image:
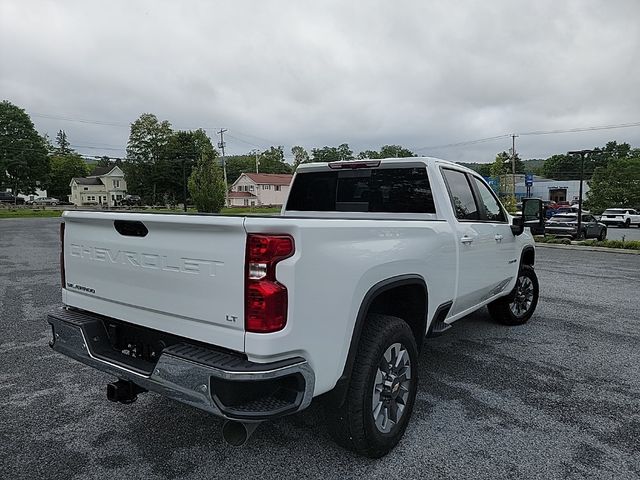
[(498, 238), (466, 239)]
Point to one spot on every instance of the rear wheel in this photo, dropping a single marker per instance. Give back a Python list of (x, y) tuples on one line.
[(518, 307), (382, 389), (603, 234), (627, 223)]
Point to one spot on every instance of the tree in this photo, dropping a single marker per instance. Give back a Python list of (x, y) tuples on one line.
[(63, 169), (616, 184), (23, 153), (300, 156), (395, 151), (387, 151), (564, 167), (272, 161), (64, 147), (206, 185), (332, 154), (502, 165), (146, 167)]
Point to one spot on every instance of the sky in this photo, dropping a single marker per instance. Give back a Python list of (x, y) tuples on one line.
[(421, 74)]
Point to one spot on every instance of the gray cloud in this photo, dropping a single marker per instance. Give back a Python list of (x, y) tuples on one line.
[(324, 73)]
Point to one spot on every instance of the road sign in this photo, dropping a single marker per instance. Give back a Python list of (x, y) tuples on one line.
[(528, 180)]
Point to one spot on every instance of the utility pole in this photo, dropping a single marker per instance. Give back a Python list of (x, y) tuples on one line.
[(582, 153), (221, 145), (255, 151), (184, 184), (513, 162)]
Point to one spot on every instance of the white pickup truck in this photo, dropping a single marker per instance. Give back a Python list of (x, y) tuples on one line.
[(252, 317)]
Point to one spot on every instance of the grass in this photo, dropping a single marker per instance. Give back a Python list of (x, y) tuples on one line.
[(27, 212), (625, 244)]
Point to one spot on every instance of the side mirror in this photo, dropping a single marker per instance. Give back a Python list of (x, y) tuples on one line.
[(517, 227), (533, 215)]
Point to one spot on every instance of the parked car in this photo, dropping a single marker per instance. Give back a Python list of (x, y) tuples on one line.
[(250, 318), (131, 200), (9, 198), (620, 217), (566, 224), (45, 201)]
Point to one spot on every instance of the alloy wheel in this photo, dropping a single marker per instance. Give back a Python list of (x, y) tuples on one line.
[(391, 387), (523, 298)]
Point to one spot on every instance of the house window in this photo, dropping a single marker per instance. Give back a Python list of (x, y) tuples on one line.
[(116, 184), (119, 197), (246, 202), (277, 188), (251, 187), (86, 188)]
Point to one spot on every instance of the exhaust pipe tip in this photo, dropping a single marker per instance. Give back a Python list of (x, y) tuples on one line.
[(237, 434)]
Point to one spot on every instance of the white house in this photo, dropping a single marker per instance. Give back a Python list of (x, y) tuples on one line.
[(105, 186), (256, 189)]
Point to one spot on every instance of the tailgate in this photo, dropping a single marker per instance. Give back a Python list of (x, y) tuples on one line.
[(182, 274)]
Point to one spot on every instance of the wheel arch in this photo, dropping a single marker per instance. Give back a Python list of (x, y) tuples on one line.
[(413, 311), (528, 256)]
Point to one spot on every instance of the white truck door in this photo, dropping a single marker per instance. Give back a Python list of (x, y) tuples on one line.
[(504, 255), (478, 274)]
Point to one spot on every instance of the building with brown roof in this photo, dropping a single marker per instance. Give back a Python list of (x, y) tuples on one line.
[(257, 189)]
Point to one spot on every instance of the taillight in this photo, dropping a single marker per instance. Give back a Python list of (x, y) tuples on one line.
[(63, 278), (265, 297)]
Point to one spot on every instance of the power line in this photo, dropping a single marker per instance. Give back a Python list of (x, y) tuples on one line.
[(464, 143)]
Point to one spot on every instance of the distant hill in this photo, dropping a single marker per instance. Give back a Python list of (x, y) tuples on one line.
[(533, 165)]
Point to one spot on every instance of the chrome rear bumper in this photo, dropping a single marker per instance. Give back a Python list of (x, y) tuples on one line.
[(221, 383)]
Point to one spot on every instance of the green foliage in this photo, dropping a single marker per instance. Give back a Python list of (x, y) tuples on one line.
[(626, 244), (387, 151), (159, 159), (146, 166), (206, 185), (615, 185), (23, 153), (332, 154), (568, 167), (271, 161), (502, 165), (62, 142), (509, 203), (300, 156), (63, 169)]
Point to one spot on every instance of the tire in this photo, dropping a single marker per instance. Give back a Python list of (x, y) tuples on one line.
[(627, 223), (54, 204), (507, 310), (355, 425), (603, 234)]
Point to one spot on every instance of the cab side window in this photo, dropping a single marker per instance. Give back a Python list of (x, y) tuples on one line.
[(492, 210), (461, 194)]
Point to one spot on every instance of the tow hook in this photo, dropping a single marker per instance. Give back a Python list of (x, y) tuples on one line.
[(123, 391), (236, 433)]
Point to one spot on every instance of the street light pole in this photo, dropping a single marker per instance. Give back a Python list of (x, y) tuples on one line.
[(582, 153), (184, 185)]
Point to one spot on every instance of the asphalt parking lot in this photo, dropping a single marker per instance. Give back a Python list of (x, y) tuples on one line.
[(556, 398), (616, 233)]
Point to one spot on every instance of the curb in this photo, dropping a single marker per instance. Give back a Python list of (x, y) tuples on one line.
[(589, 249)]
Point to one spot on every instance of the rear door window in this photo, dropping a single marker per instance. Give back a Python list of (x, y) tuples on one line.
[(461, 194), (391, 190)]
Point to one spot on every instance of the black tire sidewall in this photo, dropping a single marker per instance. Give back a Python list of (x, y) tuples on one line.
[(385, 441)]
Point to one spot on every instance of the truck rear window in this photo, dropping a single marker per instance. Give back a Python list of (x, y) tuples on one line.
[(393, 190)]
